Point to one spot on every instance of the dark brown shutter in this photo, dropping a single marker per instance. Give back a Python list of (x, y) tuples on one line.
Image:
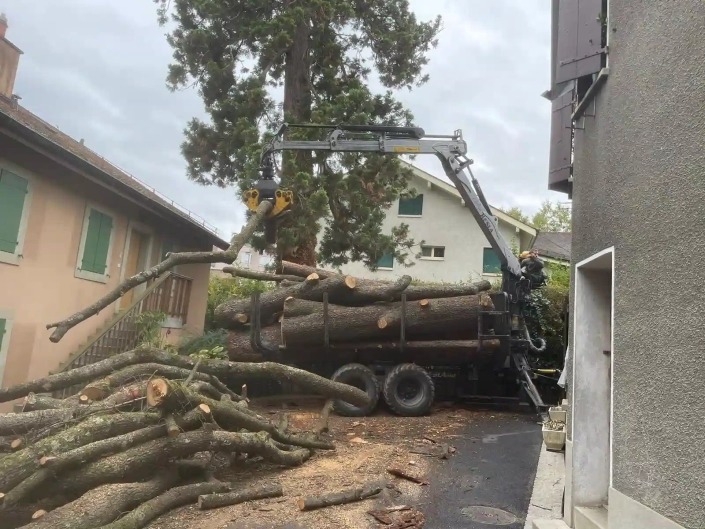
[(579, 44), (560, 158)]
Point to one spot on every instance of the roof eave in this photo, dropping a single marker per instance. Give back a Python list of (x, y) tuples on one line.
[(84, 168)]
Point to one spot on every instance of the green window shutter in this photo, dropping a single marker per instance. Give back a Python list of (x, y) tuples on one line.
[(13, 191), (490, 262), (387, 261), (411, 206), (95, 250), (3, 324)]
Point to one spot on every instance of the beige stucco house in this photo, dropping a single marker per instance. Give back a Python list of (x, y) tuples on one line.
[(72, 225)]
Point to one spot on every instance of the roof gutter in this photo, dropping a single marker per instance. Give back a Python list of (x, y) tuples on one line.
[(75, 163)]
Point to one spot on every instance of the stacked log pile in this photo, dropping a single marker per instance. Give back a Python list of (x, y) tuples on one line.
[(367, 313), (131, 445)]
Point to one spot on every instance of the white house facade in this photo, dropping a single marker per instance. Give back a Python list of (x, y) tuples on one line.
[(454, 249)]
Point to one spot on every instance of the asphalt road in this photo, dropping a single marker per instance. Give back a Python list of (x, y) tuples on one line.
[(494, 467)]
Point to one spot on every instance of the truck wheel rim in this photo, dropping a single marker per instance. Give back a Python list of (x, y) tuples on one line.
[(410, 392)]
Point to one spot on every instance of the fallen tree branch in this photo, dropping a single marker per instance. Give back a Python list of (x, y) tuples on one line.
[(104, 504), (140, 461), (176, 497), (339, 498), (173, 396), (173, 259), (16, 467), (218, 368), (260, 276), (405, 475), (213, 501)]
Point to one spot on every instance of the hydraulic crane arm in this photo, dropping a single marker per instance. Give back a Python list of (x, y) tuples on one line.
[(449, 149)]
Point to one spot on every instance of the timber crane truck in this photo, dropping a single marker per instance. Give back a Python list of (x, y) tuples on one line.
[(410, 381)]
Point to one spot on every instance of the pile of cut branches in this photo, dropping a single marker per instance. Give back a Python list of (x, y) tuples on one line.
[(136, 441)]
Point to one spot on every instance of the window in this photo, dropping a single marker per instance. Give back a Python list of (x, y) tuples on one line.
[(386, 262), (246, 258), (433, 252), (412, 207), (490, 262), (96, 243), (13, 215)]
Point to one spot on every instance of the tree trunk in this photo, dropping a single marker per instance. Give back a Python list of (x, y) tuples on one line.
[(234, 312), (16, 467), (154, 508), (413, 292), (171, 395), (141, 461), (380, 321), (106, 503), (238, 343), (339, 498), (213, 501)]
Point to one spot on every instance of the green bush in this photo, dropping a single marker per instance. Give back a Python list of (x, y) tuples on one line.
[(222, 288), (207, 341)]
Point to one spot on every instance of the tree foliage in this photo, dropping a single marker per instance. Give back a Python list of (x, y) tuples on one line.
[(552, 217), (321, 55), (549, 217), (222, 288)]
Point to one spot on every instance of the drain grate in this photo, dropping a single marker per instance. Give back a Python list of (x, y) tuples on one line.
[(488, 515)]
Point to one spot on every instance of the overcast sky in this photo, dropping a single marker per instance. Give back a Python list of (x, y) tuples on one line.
[(96, 70)]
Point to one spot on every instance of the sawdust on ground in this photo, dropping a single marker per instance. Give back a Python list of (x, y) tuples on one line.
[(365, 448)]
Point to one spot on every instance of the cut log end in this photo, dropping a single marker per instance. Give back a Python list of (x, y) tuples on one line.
[(243, 392), (46, 460), (16, 444), (172, 429), (156, 391), (350, 282), (205, 409), (313, 278), (92, 393), (84, 399), (242, 317), (382, 323), (423, 303), (38, 514)]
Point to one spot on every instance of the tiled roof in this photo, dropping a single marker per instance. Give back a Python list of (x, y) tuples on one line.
[(556, 245), (34, 123)]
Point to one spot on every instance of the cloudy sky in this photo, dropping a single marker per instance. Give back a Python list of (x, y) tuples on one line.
[(96, 69)]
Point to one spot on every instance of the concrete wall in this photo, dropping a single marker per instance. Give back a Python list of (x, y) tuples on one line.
[(445, 222), (42, 287), (640, 187)]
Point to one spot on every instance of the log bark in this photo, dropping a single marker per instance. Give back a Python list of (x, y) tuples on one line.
[(260, 276), (101, 389), (172, 260), (34, 402), (218, 368), (413, 292), (232, 313), (172, 396), (16, 467), (238, 343), (140, 461), (213, 501), (379, 321), (106, 503), (176, 497), (21, 423), (339, 498), (300, 270)]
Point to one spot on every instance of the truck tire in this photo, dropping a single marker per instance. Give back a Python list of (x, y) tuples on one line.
[(409, 390), (362, 378)]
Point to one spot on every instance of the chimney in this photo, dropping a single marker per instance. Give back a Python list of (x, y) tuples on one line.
[(9, 60)]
